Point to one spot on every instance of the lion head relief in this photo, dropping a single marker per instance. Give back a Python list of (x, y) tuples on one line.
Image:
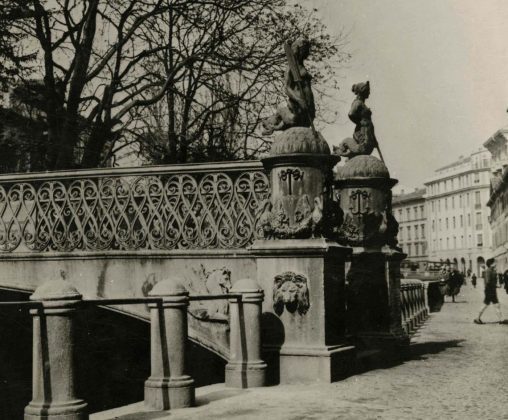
[(290, 290)]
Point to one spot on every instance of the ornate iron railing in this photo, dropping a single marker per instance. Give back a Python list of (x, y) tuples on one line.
[(413, 303), (196, 206)]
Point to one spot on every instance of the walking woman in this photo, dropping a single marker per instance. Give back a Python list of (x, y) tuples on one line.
[(490, 291)]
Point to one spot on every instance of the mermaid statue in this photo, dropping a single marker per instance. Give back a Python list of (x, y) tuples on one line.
[(364, 139), (300, 109)]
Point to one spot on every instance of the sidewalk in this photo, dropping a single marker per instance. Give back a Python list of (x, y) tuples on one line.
[(456, 370)]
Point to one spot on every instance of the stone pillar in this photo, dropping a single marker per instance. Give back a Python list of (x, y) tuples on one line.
[(374, 312), (168, 385), (300, 266), (245, 368), (53, 381)]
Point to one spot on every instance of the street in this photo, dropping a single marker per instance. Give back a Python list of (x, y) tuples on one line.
[(456, 370)]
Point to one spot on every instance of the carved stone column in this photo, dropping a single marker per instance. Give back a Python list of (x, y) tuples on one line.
[(245, 368), (168, 385), (373, 291), (302, 272), (53, 381)]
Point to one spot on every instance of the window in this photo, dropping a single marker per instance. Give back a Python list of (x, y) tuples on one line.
[(422, 227), (422, 212), (477, 201), (408, 214), (461, 203), (454, 242), (454, 222), (467, 199), (453, 202), (447, 243), (415, 212), (469, 219), (461, 221), (400, 215), (476, 177), (433, 225), (433, 209), (478, 220), (462, 241), (447, 226), (409, 232), (416, 231), (446, 203), (479, 239)]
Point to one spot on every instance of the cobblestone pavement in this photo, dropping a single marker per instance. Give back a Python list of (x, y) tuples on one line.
[(456, 370)]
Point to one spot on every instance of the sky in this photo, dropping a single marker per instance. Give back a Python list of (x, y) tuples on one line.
[(438, 71)]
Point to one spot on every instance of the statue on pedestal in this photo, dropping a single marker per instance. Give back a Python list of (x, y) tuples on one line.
[(300, 109), (364, 139)]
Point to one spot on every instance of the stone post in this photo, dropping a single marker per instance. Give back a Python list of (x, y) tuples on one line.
[(374, 305), (53, 381), (168, 385), (245, 368), (300, 266)]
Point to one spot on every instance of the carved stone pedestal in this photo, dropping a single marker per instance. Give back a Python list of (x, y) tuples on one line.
[(373, 280), (373, 301), (303, 320)]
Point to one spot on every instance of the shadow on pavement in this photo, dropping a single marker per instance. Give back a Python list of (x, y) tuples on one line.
[(217, 395), (417, 351), (144, 415)]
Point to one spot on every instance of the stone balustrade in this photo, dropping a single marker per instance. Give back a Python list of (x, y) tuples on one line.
[(53, 307), (194, 206), (414, 304)]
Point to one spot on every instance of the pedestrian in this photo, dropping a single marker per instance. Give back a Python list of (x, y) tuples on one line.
[(454, 281), (490, 278), (473, 280)]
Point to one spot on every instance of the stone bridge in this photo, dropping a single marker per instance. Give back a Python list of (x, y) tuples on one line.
[(283, 226)]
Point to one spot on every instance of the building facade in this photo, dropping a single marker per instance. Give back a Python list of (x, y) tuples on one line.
[(458, 216), (409, 210), (497, 145)]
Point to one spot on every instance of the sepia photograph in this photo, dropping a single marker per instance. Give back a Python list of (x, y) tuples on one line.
[(253, 209)]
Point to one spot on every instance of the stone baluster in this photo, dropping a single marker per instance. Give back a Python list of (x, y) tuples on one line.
[(421, 300), (403, 306), (426, 298), (412, 306), (168, 385), (245, 368), (53, 389)]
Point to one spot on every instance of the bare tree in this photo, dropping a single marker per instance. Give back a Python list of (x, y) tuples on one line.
[(213, 108), (207, 69)]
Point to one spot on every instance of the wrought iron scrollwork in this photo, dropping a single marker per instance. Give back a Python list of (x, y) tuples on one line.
[(161, 211)]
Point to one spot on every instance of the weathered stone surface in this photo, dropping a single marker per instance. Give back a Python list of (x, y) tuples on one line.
[(170, 286), (365, 199), (53, 380), (299, 140), (245, 368), (308, 344), (364, 139), (363, 166), (169, 386), (300, 109), (56, 290)]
